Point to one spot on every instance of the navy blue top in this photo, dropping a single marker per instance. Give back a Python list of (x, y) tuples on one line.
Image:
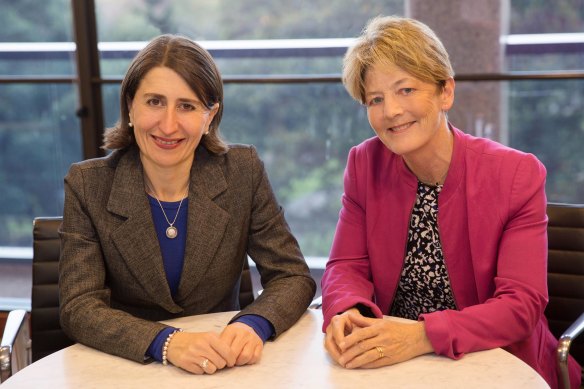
[(173, 252)]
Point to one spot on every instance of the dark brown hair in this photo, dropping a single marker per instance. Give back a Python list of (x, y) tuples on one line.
[(194, 64)]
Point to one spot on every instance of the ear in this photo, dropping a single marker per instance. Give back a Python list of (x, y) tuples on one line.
[(447, 94), (129, 107), (213, 111)]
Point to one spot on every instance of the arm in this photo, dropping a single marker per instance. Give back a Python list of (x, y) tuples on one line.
[(520, 284), (288, 286), (347, 281), (86, 314)]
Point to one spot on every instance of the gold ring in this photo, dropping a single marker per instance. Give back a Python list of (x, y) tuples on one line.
[(205, 363), (380, 351)]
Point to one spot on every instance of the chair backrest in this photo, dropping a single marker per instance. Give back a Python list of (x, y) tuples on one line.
[(566, 270), (246, 296), (45, 329)]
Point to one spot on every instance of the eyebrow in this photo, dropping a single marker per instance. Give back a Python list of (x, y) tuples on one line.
[(395, 84), (162, 97)]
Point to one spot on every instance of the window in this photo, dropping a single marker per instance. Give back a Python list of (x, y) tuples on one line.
[(519, 81), (39, 131)]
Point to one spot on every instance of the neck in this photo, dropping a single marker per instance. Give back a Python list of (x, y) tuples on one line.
[(431, 165), (166, 183), (171, 185)]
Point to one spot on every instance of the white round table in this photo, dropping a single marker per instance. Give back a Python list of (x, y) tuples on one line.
[(296, 359)]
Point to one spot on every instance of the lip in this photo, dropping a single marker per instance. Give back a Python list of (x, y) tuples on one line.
[(401, 128), (166, 143)]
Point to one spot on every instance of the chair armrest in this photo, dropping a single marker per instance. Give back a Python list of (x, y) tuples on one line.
[(564, 348), (15, 346), (316, 303)]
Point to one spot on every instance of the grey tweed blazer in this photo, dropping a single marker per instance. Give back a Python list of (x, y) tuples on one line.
[(112, 284)]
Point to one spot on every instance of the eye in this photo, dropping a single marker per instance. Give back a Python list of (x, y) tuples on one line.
[(375, 101), (154, 101), (187, 107), (406, 91)]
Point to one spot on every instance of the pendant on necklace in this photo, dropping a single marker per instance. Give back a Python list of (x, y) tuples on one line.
[(171, 232)]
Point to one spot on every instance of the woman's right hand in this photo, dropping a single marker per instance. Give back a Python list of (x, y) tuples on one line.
[(339, 327), (190, 350)]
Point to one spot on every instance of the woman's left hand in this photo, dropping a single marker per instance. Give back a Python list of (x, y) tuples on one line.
[(380, 342), (244, 343)]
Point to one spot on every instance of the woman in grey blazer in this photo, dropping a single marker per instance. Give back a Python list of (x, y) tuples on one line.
[(162, 226)]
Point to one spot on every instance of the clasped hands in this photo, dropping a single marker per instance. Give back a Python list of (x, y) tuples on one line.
[(355, 341), (207, 352)]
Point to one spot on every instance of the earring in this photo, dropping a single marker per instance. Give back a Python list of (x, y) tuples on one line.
[(207, 133), (130, 124)]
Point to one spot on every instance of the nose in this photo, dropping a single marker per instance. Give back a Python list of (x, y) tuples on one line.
[(392, 107), (169, 122)]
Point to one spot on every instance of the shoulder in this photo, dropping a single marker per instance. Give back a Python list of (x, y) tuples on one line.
[(485, 154), (96, 166), (241, 152), (237, 158), (239, 163), (487, 148), (108, 162), (505, 176)]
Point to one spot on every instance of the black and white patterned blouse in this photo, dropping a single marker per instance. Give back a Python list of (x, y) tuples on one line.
[(424, 285)]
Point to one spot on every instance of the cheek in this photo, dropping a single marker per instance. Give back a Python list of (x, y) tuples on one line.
[(374, 119), (145, 120)]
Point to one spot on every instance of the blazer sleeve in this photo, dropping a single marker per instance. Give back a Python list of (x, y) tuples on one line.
[(347, 280), (85, 311), (285, 277), (520, 294)]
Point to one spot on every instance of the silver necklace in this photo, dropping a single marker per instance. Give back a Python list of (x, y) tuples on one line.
[(171, 230)]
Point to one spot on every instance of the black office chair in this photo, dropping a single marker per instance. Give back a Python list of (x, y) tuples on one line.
[(46, 335), (565, 310), (246, 295), (17, 350)]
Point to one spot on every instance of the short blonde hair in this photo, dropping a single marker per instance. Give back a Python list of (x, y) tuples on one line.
[(406, 43)]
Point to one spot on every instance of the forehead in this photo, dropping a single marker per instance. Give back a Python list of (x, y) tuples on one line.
[(379, 75), (164, 80)]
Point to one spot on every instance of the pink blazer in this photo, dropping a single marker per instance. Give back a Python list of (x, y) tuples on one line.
[(492, 221)]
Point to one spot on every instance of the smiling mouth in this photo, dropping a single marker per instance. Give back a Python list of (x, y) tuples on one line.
[(401, 127), (166, 142)]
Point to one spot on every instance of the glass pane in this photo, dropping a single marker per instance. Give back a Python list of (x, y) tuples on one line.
[(545, 35), (543, 117), (539, 17), (30, 21), (140, 20), (267, 24), (39, 139), (39, 132), (546, 119), (303, 134)]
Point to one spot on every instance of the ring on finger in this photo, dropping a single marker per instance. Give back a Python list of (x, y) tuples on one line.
[(380, 351), (204, 364)]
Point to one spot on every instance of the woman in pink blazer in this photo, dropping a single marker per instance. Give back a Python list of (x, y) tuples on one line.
[(436, 225)]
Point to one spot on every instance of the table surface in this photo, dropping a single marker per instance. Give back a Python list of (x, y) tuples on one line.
[(296, 359)]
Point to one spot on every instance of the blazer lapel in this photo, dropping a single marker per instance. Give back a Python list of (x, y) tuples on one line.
[(135, 238), (207, 221)]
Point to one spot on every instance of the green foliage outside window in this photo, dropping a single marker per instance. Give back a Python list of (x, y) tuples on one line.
[(302, 131)]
